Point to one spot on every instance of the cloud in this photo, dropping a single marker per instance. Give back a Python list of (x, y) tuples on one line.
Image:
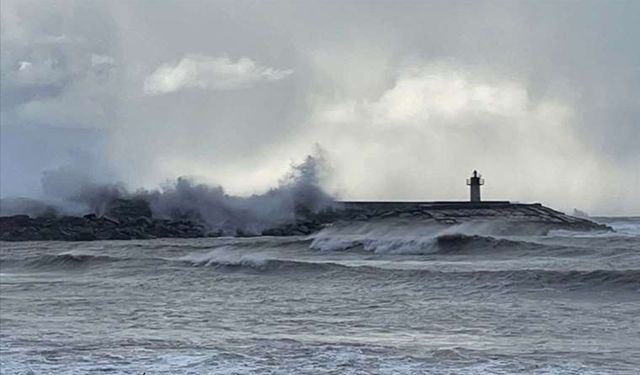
[(102, 60), (81, 96), (210, 73), (43, 72), (536, 113), (437, 122), (422, 93), (56, 73)]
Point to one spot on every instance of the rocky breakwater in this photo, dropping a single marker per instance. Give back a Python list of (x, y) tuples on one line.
[(123, 220), (132, 219), (126, 219)]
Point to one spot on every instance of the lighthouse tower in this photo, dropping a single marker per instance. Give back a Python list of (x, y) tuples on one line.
[(474, 184)]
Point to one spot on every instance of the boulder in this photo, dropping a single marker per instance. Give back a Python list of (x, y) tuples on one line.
[(90, 217), (128, 209)]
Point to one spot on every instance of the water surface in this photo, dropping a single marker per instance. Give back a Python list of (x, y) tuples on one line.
[(393, 303)]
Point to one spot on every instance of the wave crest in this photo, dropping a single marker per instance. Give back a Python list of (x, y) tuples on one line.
[(230, 258), (70, 260), (389, 237)]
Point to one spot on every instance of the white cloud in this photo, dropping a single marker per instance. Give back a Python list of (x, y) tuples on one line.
[(212, 73), (444, 92), (435, 124)]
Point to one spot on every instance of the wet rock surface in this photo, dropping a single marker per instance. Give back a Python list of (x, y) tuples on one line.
[(132, 219), (90, 228)]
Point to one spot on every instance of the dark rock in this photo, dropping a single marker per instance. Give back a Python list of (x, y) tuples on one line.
[(82, 234), (143, 221), (303, 229), (243, 233), (120, 234), (72, 221), (131, 219), (110, 220), (214, 233), (123, 209), (15, 221), (277, 232)]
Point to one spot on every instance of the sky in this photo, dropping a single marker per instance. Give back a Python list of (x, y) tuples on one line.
[(402, 99)]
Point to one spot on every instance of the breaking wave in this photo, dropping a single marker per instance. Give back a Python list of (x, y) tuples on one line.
[(448, 243), (389, 237), (221, 257), (232, 259), (298, 193), (626, 226), (415, 271), (61, 260)]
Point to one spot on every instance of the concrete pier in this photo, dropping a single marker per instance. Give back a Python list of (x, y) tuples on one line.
[(457, 212)]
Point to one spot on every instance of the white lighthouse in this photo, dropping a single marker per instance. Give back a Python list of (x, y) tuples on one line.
[(474, 186)]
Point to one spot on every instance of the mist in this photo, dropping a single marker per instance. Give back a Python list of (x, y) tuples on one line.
[(405, 100), (299, 192)]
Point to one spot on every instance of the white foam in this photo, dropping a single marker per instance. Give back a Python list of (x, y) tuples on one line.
[(226, 256), (394, 237), (626, 227), (622, 228)]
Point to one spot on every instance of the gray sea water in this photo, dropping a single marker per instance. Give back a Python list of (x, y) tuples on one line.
[(366, 301)]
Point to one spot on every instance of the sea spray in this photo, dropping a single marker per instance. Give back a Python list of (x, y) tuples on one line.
[(299, 193), (398, 236)]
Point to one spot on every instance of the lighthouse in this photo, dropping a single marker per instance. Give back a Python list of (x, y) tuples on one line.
[(474, 186)]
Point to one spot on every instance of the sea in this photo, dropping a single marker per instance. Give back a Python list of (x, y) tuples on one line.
[(368, 298)]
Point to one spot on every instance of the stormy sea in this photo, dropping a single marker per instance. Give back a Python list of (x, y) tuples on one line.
[(343, 301)]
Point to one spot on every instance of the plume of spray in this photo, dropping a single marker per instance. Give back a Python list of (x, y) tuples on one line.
[(65, 197), (297, 194), (73, 192)]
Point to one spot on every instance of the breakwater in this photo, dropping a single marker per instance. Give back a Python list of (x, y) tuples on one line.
[(132, 219)]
